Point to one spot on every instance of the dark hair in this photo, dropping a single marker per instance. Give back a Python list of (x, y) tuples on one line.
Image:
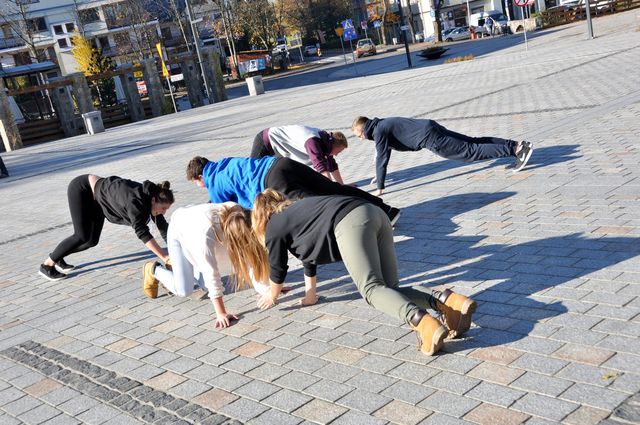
[(163, 194), (196, 167)]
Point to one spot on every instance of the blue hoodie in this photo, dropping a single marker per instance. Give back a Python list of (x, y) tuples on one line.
[(236, 179)]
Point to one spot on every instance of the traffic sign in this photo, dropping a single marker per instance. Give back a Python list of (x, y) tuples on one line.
[(377, 24), (339, 31), (364, 25), (523, 3), (349, 31)]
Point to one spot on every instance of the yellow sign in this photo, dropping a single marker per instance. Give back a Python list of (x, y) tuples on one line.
[(339, 31), (165, 71)]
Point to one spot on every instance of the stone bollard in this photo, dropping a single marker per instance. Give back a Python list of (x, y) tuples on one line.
[(193, 80), (255, 85), (93, 122), (130, 88), (65, 110), (8, 128), (82, 92), (213, 72), (154, 86)]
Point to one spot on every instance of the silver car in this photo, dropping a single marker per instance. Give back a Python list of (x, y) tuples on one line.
[(458, 33)]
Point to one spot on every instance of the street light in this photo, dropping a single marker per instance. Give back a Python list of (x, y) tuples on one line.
[(196, 40)]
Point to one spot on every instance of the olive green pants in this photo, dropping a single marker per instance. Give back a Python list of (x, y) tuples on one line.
[(365, 241)]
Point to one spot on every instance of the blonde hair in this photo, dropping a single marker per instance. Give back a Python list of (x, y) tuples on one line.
[(339, 139), (247, 254), (359, 122), (265, 205)]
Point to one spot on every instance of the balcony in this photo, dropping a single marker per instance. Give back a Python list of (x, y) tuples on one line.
[(8, 43)]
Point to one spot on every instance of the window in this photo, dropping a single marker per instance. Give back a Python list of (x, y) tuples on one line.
[(88, 16), (62, 33), (166, 34), (37, 24), (22, 58)]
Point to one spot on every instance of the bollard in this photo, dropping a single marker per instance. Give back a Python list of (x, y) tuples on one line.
[(255, 85), (93, 122)]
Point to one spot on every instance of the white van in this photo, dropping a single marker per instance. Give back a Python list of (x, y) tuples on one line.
[(477, 19)]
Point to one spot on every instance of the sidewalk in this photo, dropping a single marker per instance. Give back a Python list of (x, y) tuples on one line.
[(551, 254)]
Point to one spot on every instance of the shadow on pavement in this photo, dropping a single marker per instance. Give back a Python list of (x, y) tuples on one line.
[(507, 311)]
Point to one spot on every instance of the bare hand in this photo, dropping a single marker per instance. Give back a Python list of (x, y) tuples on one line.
[(224, 320), (308, 300), (266, 301)]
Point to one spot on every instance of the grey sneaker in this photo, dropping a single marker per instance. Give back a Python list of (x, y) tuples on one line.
[(523, 156)]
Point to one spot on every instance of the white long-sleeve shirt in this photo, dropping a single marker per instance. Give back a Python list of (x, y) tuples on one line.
[(196, 227)]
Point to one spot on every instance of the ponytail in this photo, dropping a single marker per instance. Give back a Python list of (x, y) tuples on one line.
[(163, 194)]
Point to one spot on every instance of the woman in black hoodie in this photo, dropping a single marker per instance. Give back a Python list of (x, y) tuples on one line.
[(121, 201)]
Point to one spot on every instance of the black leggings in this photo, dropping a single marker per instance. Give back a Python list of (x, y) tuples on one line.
[(297, 181), (87, 218), (259, 150)]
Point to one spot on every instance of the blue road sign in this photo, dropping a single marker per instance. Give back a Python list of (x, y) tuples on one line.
[(377, 24), (349, 31)]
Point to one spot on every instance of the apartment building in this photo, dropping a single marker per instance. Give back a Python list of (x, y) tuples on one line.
[(125, 30)]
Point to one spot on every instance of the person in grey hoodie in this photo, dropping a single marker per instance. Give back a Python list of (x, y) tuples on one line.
[(307, 145), (407, 134)]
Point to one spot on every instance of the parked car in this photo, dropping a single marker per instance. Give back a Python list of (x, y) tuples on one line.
[(366, 46), (458, 33), (310, 50)]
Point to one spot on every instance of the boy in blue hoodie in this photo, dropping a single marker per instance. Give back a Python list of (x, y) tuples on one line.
[(407, 134), (241, 179)]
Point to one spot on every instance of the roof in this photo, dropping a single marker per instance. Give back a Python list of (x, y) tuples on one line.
[(16, 71)]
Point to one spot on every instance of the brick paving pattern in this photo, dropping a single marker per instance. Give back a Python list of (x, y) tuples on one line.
[(551, 254)]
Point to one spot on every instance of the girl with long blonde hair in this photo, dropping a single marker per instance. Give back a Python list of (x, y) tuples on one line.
[(201, 256), (325, 229)]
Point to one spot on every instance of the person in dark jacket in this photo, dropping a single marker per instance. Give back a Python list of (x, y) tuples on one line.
[(121, 201), (241, 179), (407, 134), (327, 229), (307, 145)]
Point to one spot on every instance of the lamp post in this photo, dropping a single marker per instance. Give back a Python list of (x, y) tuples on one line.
[(196, 40)]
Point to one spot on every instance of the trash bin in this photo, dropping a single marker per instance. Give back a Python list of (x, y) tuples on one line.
[(93, 122), (255, 85)]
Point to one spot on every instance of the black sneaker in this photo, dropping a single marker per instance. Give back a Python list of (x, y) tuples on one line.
[(393, 214), (523, 156), (50, 273), (62, 265)]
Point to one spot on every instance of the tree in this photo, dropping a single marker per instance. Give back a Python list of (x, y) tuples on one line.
[(310, 16), (257, 21), (91, 62), (15, 14)]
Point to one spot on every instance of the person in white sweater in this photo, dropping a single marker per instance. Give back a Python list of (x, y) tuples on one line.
[(307, 145), (198, 256)]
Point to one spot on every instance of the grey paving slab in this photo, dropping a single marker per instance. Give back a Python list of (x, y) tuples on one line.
[(550, 253)]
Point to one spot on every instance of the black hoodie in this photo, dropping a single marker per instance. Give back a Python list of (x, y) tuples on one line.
[(127, 202), (400, 134)]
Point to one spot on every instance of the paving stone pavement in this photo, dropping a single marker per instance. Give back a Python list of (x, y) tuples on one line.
[(551, 254)]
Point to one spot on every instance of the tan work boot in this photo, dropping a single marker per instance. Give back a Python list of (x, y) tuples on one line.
[(457, 310), (431, 333), (149, 282)]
